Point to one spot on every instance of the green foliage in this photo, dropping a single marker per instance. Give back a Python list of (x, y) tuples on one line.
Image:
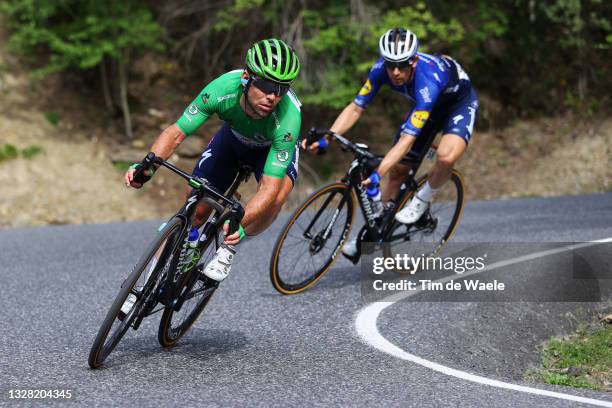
[(582, 360), (31, 151), (52, 117), (529, 57), (8, 152), (79, 33), (344, 48), (234, 15)]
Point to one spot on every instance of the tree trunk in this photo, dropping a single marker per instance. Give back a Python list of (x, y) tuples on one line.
[(108, 100), (123, 92)]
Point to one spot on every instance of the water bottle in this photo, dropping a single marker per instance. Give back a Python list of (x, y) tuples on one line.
[(192, 239), (375, 200), (189, 255)]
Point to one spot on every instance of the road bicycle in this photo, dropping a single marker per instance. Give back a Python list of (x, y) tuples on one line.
[(168, 276), (310, 241)]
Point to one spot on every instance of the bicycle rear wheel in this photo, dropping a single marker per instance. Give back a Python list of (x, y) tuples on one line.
[(174, 324), (309, 242), (142, 285), (435, 228)]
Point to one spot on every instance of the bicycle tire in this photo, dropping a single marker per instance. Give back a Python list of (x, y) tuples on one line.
[(278, 274), (101, 348), (457, 187), (166, 334)]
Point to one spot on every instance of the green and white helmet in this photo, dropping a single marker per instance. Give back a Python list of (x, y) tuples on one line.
[(274, 60)]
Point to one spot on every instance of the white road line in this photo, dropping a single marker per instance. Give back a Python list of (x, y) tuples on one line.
[(365, 324)]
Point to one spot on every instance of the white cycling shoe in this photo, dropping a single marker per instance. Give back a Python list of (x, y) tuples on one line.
[(350, 248), (413, 211), (219, 267)]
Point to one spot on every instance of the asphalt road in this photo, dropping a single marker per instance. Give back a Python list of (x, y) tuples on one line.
[(257, 348)]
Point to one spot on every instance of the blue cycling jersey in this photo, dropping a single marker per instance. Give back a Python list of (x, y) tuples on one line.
[(437, 81)]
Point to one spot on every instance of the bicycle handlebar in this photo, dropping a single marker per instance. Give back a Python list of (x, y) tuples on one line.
[(314, 135), (236, 210)]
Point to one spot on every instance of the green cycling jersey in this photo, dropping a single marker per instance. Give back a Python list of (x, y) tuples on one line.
[(279, 130)]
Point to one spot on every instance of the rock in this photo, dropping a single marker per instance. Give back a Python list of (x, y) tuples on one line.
[(138, 143), (157, 113), (574, 371), (191, 147), (128, 156)]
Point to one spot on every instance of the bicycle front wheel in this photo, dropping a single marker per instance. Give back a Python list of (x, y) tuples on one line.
[(309, 242), (142, 283), (174, 324), (435, 228)]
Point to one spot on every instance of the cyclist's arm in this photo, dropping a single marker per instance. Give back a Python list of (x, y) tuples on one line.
[(395, 155), (343, 123), (269, 188), (351, 114), (167, 142), (163, 147), (426, 95), (353, 111), (347, 119)]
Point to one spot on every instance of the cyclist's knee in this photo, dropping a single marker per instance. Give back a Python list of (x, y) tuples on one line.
[(450, 150), (202, 212), (446, 161)]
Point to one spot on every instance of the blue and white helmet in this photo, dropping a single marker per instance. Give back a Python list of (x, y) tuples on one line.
[(398, 45)]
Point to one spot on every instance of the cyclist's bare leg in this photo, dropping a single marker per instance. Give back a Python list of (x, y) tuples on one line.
[(450, 149), (390, 186), (202, 211), (261, 223)]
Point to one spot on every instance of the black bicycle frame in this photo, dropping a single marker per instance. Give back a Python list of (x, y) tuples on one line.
[(378, 229), (224, 208)]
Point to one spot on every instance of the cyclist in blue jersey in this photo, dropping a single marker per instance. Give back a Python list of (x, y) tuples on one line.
[(443, 100)]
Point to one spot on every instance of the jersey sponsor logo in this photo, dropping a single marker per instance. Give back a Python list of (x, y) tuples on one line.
[(282, 156), (366, 88), (205, 98), (288, 137), (224, 97), (408, 131), (419, 118), (193, 109), (250, 141), (470, 126), (452, 89), (205, 155), (457, 118), (425, 94)]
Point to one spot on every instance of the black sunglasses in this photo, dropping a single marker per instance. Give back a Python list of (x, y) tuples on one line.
[(269, 87), (401, 64)]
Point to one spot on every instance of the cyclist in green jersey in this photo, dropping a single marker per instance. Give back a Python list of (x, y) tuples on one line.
[(262, 125)]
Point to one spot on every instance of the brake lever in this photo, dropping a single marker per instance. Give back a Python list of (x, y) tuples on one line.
[(146, 164)]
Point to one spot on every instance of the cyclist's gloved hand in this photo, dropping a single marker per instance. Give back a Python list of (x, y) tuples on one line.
[(235, 237), (136, 176), (373, 180), (316, 141)]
